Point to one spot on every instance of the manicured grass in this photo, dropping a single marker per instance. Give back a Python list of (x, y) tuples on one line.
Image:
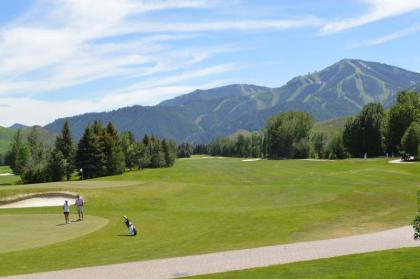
[(19, 232), (9, 179), (401, 263), (207, 205)]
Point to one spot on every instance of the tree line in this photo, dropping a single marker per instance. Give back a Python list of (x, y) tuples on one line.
[(374, 131), (101, 151)]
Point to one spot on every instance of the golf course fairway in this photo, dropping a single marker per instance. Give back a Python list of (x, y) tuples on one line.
[(210, 205)]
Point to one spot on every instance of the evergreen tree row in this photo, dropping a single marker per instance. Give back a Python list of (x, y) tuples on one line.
[(101, 151), (150, 152)]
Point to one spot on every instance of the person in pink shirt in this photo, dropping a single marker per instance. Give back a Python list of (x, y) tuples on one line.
[(79, 205)]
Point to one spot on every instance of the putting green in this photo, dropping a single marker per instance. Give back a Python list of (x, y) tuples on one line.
[(19, 232)]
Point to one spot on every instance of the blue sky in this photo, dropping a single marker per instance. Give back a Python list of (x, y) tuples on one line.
[(65, 57)]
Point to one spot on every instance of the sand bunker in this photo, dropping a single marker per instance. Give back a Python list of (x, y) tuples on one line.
[(398, 161), (251, 160), (39, 200), (201, 158), (6, 174)]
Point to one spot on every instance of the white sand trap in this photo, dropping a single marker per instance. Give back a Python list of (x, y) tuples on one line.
[(251, 160), (39, 202), (398, 161), (6, 174)]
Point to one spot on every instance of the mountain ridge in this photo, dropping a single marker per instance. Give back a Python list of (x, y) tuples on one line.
[(338, 90)]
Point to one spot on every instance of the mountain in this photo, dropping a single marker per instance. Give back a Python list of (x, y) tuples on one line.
[(344, 88), (330, 126), (416, 87), (339, 90), (159, 121), (17, 126)]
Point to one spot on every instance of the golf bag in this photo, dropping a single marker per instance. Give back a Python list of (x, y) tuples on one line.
[(131, 229)]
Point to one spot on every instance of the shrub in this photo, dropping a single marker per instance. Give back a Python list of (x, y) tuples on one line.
[(416, 227)]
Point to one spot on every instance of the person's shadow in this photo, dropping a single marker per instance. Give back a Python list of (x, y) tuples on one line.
[(72, 221)]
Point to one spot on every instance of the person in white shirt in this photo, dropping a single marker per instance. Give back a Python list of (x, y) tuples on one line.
[(79, 205), (66, 209)]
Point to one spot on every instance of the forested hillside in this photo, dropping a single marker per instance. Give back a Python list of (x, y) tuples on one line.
[(339, 90)]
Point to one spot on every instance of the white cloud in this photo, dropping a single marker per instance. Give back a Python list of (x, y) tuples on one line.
[(60, 44), (395, 35), (387, 38), (378, 10), (39, 112), (150, 92), (212, 26)]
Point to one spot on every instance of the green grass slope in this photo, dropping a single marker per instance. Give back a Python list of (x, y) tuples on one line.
[(20, 232), (400, 263), (206, 205), (7, 179)]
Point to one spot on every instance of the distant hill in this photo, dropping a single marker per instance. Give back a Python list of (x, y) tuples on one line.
[(416, 87), (6, 136), (17, 126), (339, 90), (330, 126)]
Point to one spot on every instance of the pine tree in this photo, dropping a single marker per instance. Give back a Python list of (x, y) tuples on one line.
[(36, 148), (169, 152), (128, 147), (184, 150), (146, 140), (90, 156), (64, 145), (56, 165), (115, 161), (142, 155), (14, 151)]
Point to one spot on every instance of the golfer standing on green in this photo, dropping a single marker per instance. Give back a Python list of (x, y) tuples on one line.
[(79, 205), (66, 209)]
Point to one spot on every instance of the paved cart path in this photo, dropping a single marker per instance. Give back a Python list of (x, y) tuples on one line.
[(240, 259)]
